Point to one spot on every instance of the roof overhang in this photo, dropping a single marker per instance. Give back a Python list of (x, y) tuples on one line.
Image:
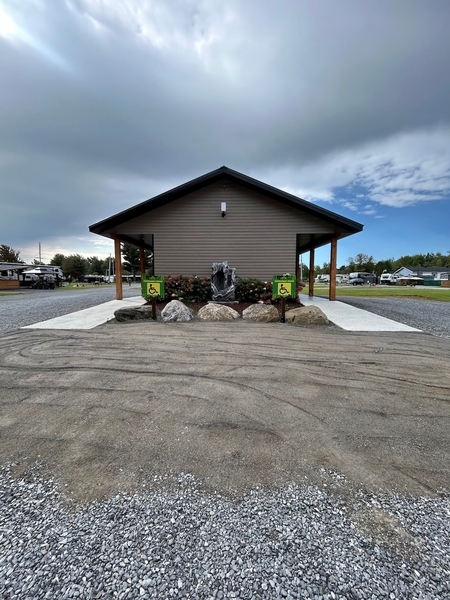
[(5, 266), (135, 239)]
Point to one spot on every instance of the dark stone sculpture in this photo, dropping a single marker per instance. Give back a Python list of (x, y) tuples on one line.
[(223, 281)]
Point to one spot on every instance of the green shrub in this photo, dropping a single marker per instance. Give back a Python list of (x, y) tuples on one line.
[(189, 289), (253, 290)]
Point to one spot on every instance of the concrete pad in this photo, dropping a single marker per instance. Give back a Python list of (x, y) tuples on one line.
[(354, 319), (237, 404), (88, 318), (343, 315)]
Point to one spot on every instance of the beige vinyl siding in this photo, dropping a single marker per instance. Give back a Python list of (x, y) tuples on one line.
[(257, 235)]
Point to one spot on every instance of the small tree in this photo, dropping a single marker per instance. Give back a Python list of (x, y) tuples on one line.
[(95, 265), (361, 262), (74, 266), (8, 254), (132, 261), (57, 260)]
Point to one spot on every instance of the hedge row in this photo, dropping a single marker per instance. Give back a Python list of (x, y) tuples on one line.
[(198, 289)]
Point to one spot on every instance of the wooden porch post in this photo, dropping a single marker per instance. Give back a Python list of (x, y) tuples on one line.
[(118, 269), (297, 271), (333, 259), (142, 261), (311, 273)]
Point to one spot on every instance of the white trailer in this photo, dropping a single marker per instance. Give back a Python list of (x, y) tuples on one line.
[(388, 279)]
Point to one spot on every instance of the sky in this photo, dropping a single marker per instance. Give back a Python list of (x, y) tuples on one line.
[(106, 103)]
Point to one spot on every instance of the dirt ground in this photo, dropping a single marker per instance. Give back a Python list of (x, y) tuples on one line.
[(236, 404)]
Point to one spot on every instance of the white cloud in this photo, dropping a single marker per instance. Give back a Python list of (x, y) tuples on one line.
[(402, 170)]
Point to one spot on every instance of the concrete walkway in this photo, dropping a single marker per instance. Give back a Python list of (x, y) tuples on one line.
[(88, 318), (354, 319), (344, 316)]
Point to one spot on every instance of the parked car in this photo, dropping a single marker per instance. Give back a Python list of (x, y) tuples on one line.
[(356, 281)]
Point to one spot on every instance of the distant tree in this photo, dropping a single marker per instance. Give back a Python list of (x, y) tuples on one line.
[(95, 265), (57, 260), (74, 266), (384, 265), (414, 260), (322, 270), (361, 262), (8, 254), (131, 256)]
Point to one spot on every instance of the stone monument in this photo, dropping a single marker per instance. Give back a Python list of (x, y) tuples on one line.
[(223, 281)]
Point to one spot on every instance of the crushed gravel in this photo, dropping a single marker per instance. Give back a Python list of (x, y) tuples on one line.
[(430, 316), (176, 541)]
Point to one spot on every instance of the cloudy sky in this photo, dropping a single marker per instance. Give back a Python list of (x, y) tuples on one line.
[(105, 103)]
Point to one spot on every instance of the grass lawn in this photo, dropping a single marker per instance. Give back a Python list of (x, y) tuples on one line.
[(385, 291)]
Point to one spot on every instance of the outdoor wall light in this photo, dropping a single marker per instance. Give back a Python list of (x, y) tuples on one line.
[(223, 208)]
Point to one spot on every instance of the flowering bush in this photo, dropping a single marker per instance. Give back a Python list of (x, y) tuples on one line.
[(253, 290), (190, 289)]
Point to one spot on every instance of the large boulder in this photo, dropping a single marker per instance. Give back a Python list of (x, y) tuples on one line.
[(133, 313), (176, 311), (217, 312), (261, 313), (306, 315)]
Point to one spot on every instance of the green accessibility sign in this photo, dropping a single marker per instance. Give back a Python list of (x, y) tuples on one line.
[(283, 286), (152, 287)]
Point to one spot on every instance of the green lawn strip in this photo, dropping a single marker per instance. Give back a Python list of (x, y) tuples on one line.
[(439, 294)]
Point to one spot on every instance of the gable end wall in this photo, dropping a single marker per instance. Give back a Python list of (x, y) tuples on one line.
[(257, 235)]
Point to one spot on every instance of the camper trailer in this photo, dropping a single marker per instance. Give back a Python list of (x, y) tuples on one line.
[(322, 279), (388, 279), (42, 276), (366, 277)]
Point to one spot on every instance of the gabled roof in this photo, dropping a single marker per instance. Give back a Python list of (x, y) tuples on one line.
[(429, 269), (342, 224)]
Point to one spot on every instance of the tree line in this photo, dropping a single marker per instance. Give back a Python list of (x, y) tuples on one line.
[(74, 265), (366, 264)]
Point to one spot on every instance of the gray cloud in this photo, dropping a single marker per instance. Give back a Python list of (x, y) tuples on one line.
[(106, 104)]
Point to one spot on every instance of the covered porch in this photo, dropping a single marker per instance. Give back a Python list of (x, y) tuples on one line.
[(305, 243)]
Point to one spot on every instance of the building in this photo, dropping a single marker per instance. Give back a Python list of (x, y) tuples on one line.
[(437, 275), (227, 216), (11, 274)]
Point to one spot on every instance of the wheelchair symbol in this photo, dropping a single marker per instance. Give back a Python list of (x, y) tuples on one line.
[(152, 290), (284, 291)]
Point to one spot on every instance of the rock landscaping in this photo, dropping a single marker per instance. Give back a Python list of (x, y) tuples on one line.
[(217, 312), (261, 313), (178, 311), (134, 313), (307, 315)]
